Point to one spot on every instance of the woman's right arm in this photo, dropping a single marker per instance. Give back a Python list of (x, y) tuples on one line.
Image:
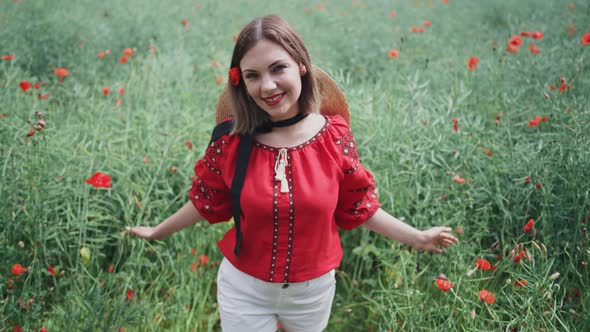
[(181, 219)]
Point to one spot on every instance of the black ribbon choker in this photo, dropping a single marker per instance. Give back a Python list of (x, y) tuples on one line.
[(267, 126)]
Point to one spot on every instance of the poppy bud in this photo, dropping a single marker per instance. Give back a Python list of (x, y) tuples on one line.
[(554, 276), (31, 133)]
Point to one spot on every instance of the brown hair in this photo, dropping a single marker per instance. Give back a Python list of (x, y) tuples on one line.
[(247, 114)]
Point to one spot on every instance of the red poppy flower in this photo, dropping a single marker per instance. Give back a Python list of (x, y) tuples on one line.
[(520, 283), (99, 180), (307, 10), (128, 52), (551, 87), (111, 269), (17, 329), (518, 256), (42, 97), (184, 22), (571, 30), (515, 41), (527, 180), (321, 6), (31, 133), (420, 29), (525, 34), (446, 2), (414, 29), (482, 264), (472, 63), (51, 270), (487, 152), (487, 296), (193, 267), (24, 85), (562, 87), (537, 35), (8, 57), (193, 251), (393, 53), (189, 145), (585, 39), (218, 80), (538, 186), (571, 6), (511, 49), (61, 73), (529, 226), (427, 24), (392, 14), (106, 91), (203, 260), (456, 127), (234, 76), (37, 86), (129, 295), (121, 91), (18, 269), (534, 122), (443, 285), (534, 49), (459, 230)]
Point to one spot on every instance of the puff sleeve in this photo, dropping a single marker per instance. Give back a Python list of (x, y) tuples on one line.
[(209, 192), (357, 197)]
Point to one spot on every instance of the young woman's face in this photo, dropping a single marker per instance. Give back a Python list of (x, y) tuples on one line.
[(273, 79)]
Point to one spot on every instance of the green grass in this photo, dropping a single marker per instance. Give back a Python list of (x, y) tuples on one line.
[(401, 116)]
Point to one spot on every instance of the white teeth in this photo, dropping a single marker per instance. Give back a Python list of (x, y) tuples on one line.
[(273, 99)]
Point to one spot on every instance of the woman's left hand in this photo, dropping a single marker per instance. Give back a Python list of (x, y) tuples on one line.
[(435, 239)]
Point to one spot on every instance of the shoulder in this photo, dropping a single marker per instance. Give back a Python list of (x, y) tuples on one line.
[(338, 126)]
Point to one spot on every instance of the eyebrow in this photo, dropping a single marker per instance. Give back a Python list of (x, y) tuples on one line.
[(269, 66)]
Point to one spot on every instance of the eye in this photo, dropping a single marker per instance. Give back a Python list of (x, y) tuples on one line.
[(278, 68), (251, 76)]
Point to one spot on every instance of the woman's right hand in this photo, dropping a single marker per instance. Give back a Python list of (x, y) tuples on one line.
[(148, 233)]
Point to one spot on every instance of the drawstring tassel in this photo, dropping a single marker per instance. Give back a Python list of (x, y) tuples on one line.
[(280, 172)]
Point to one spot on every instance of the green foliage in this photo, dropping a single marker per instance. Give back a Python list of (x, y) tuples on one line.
[(401, 116)]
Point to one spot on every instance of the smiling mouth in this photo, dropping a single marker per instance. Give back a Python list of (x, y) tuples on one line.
[(274, 99)]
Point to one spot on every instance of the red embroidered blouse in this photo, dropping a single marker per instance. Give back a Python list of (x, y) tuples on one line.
[(288, 236)]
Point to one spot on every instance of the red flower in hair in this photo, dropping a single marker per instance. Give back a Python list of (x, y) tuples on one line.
[(235, 76)]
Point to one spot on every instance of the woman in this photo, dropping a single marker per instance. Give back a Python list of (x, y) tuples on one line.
[(303, 180)]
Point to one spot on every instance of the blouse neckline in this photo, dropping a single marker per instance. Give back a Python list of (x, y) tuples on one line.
[(298, 146)]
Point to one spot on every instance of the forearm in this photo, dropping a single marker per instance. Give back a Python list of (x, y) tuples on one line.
[(387, 225), (181, 219)]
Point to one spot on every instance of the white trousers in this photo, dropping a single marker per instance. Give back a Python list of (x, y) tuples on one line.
[(248, 304)]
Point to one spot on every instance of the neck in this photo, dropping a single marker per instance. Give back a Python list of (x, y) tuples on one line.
[(268, 126)]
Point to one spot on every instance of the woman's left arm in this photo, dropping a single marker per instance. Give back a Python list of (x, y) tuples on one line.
[(433, 239)]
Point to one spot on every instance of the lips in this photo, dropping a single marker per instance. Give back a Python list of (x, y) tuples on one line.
[(274, 99)]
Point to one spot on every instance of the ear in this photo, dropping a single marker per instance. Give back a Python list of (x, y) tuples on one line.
[(302, 69)]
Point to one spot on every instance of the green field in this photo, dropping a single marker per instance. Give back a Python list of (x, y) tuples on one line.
[(499, 167)]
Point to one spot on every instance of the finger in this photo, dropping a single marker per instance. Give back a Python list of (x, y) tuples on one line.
[(447, 236)]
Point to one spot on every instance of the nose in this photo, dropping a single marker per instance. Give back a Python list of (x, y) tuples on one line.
[(268, 84)]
